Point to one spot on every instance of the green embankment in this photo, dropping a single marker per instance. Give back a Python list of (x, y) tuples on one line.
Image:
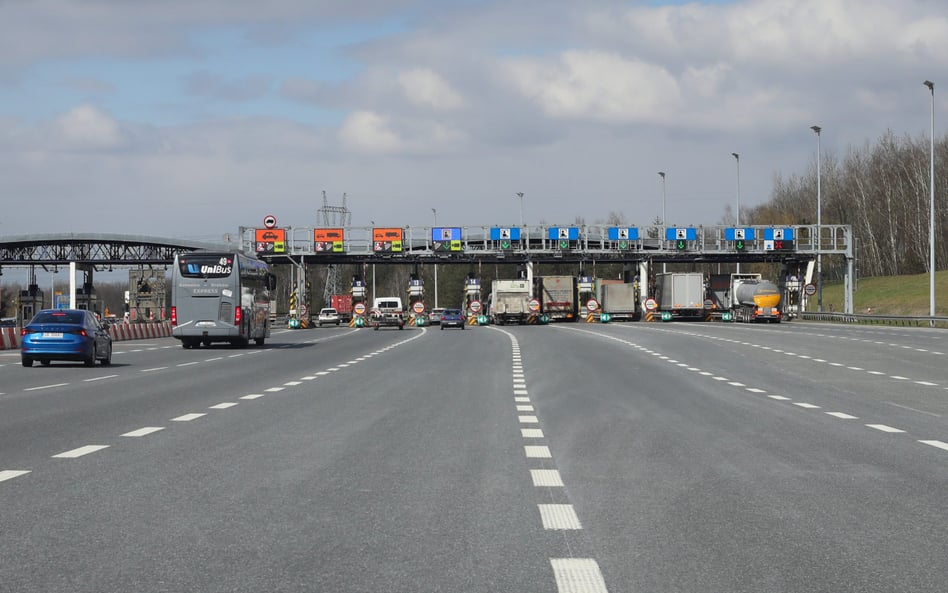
[(890, 295)]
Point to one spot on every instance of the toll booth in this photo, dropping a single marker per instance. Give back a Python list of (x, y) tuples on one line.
[(472, 294), (147, 295), (31, 301), (86, 297)]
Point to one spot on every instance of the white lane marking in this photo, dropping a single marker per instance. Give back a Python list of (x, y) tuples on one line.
[(187, 417), (99, 378), (307, 378), (779, 398), (9, 474), (913, 409), (736, 384), (332, 369), (884, 428), (898, 377), (80, 451), (755, 390), (46, 386), (143, 431), (235, 355), (213, 359), (525, 408), (153, 369), (537, 451), (528, 420), (705, 373), (520, 392), (292, 383), (251, 396), (805, 405), (519, 381), (322, 373), (843, 416), (927, 383), (516, 374), (546, 477), (559, 516), (719, 378), (274, 389), (531, 433), (343, 365), (578, 575), (222, 406), (939, 444), (187, 364), (875, 372), (522, 399)]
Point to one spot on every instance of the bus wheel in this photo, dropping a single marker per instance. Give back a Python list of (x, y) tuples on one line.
[(259, 341)]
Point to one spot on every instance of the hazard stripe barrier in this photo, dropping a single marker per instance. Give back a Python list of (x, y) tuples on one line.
[(472, 320), (411, 321), (652, 316), (591, 318), (122, 332)]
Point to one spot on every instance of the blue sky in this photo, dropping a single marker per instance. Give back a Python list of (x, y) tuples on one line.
[(194, 118)]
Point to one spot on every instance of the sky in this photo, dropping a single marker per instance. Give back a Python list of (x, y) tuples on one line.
[(193, 118)]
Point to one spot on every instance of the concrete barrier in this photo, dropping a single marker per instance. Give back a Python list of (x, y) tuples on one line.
[(10, 336)]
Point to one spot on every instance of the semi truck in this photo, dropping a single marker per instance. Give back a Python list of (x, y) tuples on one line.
[(509, 301), (681, 294), (342, 303), (557, 296), (619, 299), (753, 299)]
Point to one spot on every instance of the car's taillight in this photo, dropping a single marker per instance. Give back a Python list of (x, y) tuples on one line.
[(83, 333), (23, 331), (238, 313), (174, 316)]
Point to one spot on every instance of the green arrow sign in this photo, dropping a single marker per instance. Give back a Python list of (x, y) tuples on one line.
[(564, 244), (505, 244), (623, 245)]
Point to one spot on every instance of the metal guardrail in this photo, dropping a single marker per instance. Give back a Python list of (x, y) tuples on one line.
[(870, 319)]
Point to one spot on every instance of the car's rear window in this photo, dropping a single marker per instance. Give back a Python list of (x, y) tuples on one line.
[(452, 312), (328, 311), (58, 317)]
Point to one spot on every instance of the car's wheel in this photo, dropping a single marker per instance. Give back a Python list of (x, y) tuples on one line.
[(90, 360), (108, 357), (462, 325), (442, 327), (27, 362), (46, 363), (376, 327)]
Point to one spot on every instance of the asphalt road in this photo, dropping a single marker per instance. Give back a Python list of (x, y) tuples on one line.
[(567, 458)]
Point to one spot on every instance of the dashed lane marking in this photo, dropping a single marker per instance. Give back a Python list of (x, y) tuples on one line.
[(528, 420), (91, 379), (578, 575), (559, 516), (46, 387), (188, 417), (537, 452), (525, 408), (154, 369), (884, 428), (546, 478), (939, 444), (147, 430), (531, 433), (843, 416), (252, 396), (80, 451), (274, 389), (222, 406), (9, 474)]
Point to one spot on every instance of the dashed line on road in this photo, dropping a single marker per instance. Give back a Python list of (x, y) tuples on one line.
[(38, 388), (147, 430), (188, 417), (578, 575), (81, 451), (9, 474), (559, 516)]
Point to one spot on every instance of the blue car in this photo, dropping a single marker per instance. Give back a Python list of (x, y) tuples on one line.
[(452, 318), (65, 334)]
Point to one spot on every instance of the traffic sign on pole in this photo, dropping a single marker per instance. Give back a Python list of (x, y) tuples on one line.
[(418, 307), (651, 304)]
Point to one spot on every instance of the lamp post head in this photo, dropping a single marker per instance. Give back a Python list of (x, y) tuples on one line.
[(930, 85), (661, 174), (816, 129), (735, 155), (520, 194)]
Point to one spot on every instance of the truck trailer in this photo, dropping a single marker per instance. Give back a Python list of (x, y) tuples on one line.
[(619, 299), (681, 294), (753, 299), (509, 301), (557, 296)]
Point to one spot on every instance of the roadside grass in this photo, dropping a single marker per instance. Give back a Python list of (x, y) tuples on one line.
[(890, 295)]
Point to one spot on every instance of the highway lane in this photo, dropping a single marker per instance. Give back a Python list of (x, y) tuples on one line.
[(691, 477), (634, 457)]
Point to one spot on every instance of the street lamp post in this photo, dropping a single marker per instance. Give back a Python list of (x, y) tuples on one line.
[(520, 195), (819, 221), (435, 213), (931, 208), (664, 220), (737, 214)]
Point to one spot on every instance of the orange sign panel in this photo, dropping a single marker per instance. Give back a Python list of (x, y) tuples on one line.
[(386, 234), (328, 235), (270, 235)]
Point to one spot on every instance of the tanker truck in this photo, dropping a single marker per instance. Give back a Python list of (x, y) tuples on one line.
[(754, 299)]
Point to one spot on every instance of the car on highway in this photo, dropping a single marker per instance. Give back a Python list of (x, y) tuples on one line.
[(452, 318), (65, 334), (434, 317), (328, 316)]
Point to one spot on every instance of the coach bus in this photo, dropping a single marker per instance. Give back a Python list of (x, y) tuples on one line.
[(220, 297)]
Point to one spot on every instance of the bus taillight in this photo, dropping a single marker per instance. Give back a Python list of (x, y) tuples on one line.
[(174, 316), (238, 312)]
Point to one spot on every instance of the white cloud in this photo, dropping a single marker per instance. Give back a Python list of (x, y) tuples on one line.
[(367, 132), (425, 88), (595, 85), (86, 127)]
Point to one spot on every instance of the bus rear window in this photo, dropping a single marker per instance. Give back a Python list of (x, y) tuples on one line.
[(197, 266)]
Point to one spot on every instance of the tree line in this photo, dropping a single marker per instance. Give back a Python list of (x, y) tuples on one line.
[(882, 190)]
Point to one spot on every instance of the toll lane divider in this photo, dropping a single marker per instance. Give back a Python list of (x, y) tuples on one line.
[(10, 336)]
